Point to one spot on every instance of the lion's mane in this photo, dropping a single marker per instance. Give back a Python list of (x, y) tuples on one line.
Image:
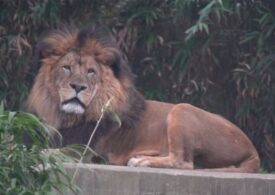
[(43, 99)]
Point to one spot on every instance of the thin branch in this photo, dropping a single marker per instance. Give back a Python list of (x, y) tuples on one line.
[(103, 110)]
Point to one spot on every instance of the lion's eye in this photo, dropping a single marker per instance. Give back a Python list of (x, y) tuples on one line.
[(91, 72), (67, 69)]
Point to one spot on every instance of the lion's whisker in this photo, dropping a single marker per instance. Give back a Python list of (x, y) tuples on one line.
[(94, 93)]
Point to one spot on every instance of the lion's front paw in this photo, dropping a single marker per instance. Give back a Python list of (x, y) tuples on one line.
[(138, 162)]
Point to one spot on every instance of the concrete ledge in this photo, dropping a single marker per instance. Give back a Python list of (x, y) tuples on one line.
[(116, 180)]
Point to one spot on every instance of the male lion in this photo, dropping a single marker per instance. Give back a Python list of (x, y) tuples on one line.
[(82, 69)]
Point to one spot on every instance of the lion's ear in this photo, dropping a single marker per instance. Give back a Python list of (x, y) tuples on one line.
[(112, 57), (120, 67), (38, 56), (42, 50), (118, 64)]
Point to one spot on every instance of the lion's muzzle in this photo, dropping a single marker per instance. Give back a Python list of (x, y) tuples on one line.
[(73, 105), (73, 101)]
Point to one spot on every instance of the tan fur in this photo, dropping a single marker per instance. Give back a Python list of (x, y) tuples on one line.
[(152, 133)]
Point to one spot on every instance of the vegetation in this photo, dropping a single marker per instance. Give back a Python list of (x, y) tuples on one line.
[(26, 169), (216, 54)]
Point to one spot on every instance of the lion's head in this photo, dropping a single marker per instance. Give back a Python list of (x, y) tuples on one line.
[(80, 71)]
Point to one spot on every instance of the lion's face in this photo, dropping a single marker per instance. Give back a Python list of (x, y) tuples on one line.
[(80, 71), (76, 77)]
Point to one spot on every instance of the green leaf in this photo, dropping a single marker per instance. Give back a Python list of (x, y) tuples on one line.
[(249, 36), (11, 116), (116, 118), (1, 108)]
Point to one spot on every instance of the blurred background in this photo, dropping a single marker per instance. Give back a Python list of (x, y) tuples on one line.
[(216, 54)]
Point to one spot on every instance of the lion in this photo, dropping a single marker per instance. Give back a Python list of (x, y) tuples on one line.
[(81, 69)]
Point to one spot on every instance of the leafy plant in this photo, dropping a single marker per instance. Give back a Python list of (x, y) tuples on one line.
[(28, 168)]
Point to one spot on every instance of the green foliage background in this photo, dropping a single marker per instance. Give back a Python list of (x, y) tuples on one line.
[(216, 54)]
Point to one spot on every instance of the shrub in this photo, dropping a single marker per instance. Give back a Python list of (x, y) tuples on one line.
[(28, 169)]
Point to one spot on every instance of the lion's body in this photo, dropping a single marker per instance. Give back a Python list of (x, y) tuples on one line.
[(80, 71), (199, 134)]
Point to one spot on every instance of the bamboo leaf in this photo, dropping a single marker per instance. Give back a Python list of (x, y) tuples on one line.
[(116, 118), (11, 116), (1, 108)]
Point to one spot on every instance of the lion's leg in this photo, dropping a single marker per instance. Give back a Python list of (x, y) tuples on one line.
[(180, 144), (249, 165)]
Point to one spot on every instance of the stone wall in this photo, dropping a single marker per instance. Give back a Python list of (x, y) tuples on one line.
[(116, 180)]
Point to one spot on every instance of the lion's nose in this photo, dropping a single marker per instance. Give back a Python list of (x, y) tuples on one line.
[(78, 87)]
